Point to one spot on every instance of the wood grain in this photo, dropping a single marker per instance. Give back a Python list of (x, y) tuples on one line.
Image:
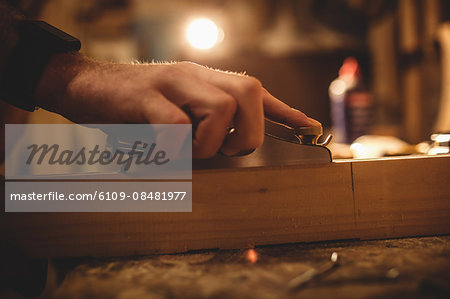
[(402, 197), (239, 208)]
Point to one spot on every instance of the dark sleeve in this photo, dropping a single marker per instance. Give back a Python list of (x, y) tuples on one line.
[(9, 20)]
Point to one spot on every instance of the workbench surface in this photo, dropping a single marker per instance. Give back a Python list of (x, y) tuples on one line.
[(394, 268)]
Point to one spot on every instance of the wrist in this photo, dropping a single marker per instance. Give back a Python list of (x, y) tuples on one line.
[(53, 89)]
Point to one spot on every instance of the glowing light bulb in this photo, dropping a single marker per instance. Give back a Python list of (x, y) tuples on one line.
[(338, 87), (203, 34)]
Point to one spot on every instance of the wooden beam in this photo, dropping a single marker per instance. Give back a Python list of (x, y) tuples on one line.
[(239, 208)]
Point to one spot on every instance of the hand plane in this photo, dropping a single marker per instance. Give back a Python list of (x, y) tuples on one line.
[(282, 146)]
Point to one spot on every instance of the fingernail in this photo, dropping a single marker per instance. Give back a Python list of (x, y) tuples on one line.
[(298, 111), (245, 152), (314, 122)]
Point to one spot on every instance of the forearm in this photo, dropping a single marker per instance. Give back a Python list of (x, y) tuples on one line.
[(51, 91), (9, 20)]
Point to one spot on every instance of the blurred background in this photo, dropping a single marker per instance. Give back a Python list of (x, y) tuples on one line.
[(400, 70)]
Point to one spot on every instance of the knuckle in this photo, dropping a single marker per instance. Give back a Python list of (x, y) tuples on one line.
[(226, 104), (252, 87)]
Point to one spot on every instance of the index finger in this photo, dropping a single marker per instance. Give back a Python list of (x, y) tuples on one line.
[(278, 111)]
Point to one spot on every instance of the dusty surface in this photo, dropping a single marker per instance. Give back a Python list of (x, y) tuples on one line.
[(399, 268)]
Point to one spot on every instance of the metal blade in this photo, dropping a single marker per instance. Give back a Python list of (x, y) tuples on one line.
[(280, 147), (279, 131)]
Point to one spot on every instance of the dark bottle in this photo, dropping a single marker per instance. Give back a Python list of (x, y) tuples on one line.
[(351, 104)]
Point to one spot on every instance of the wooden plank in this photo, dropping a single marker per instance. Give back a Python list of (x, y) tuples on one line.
[(231, 209), (402, 197), (239, 208)]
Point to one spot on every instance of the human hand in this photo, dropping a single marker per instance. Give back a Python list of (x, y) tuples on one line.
[(87, 91)]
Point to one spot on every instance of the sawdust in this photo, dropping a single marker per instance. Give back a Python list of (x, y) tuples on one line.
[(421, 267)]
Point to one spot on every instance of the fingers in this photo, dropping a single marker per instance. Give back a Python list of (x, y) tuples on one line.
[(214, 100), (278, 111), (159, 110), (249, 116), (211, 109)]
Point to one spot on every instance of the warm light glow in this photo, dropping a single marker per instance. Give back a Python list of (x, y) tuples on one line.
[(203, 34), (439, 150), (338, 87), (359, 151), (441, 137), (252, 256), (334, 257)]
